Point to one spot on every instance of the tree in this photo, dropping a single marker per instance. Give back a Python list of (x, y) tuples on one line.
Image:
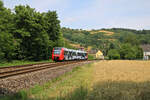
[(131, 54), (38, 33), (132, 39), (139, 53), (8, 46), (113, 54), (7, 42), (127, 51)]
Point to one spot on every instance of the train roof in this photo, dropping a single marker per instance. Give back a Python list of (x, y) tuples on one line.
[(72, 50)]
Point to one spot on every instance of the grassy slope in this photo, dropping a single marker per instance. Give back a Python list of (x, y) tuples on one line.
[(104, 80)]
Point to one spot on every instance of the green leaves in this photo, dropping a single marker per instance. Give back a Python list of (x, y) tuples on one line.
[(113, 54), (39, 32), (28, 34), (8, 46), (126, 51)]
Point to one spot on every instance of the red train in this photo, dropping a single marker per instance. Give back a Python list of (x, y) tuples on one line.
[(62, 54)]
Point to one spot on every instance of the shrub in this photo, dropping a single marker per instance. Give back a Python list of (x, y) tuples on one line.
[(113, 54)]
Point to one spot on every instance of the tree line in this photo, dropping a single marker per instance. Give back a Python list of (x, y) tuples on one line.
[(26, 34)]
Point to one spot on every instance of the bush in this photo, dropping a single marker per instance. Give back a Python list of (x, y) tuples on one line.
[(113, 54)]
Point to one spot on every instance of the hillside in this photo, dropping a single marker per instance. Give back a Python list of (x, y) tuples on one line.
[(106, 39)]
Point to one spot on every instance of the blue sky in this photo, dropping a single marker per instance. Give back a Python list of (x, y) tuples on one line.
[(94, 14)]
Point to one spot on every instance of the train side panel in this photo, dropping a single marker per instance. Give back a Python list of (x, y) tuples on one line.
[(61, 54)]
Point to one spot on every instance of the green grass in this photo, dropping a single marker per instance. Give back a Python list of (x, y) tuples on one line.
[(109, 90), (17, 62), (91, 57)]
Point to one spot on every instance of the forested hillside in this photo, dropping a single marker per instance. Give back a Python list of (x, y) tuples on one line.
[(116, 42), (26, 34)]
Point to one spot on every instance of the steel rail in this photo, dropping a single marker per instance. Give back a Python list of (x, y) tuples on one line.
[(18, 70)]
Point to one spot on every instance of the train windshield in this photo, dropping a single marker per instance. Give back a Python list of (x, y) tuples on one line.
[(56, 51)]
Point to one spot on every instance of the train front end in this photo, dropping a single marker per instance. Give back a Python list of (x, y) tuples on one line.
[(58, 54)]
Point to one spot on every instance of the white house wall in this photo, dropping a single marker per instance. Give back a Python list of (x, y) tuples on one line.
[(146, 55)]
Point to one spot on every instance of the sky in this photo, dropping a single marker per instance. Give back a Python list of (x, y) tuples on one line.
[(94, 14)]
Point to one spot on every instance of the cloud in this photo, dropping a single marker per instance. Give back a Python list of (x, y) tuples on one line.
[(70, 20), (112, 13), (133, 22), (40, 5), (90, 14), (49, 4), (12, 3)]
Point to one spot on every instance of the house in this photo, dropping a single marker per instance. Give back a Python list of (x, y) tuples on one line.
[(99, 55), (146, 51), (92, 51)]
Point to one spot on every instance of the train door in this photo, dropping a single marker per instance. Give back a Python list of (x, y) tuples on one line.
[(66, 55)]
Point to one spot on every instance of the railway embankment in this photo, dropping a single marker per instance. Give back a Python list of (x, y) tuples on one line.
[(13, 84)]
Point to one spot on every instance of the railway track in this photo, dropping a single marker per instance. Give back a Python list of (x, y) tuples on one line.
[(6, 72)]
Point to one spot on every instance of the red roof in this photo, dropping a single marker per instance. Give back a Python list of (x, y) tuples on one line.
[(146, 47)]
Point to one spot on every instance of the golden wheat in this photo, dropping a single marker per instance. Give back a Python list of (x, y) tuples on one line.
[(122, 70)]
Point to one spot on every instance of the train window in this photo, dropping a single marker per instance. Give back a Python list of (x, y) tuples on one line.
[(56, 51), (65, 52), (83, 54), (79, 54), (73, 53)]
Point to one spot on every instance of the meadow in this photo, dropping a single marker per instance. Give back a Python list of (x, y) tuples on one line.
[(103, 80)]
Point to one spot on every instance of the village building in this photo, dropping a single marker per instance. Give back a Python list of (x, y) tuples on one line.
[(146, 51), (99, 55)]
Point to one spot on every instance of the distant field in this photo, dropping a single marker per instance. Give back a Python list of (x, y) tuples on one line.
[(108, 33), (103, 80)]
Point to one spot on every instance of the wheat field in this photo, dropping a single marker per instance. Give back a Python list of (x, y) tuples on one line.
[(121, 80), (122, 70)]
